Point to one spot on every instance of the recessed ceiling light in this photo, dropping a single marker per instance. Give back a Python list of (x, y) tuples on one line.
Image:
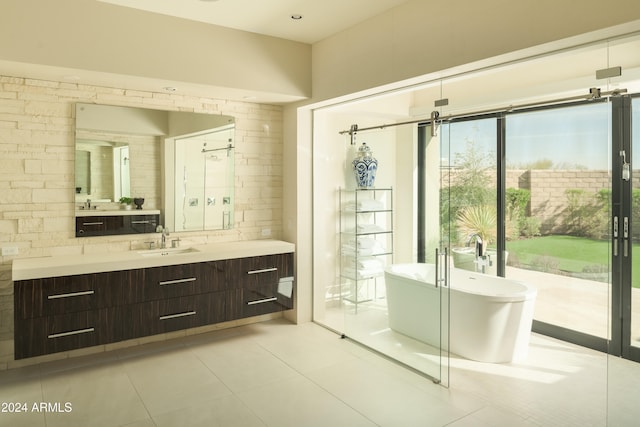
[(296, 16)]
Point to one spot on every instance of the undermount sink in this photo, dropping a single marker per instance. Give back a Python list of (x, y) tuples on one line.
[(167, 252)]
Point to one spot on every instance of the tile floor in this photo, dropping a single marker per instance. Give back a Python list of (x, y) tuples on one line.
[(279, 374)]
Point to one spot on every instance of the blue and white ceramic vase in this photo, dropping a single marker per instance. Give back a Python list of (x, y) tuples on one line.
[(365, 167)]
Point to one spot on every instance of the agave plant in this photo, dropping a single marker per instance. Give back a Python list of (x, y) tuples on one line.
[(480, 220)]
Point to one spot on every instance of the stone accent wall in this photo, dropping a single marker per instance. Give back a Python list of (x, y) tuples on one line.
[(37, 198)]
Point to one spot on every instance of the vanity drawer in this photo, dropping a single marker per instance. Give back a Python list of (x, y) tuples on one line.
[(189, 312), (260, 299), (173, 281), (55, 295), (265, 269), (188, 279), (67, 294), (51, 334)]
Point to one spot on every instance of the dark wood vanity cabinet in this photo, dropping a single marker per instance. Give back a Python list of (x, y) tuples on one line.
[(87, 226), (62, 313), (263, 279), (56, 314)]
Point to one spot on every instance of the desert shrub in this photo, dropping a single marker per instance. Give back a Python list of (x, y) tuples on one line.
[(530, 227), (586, 214)]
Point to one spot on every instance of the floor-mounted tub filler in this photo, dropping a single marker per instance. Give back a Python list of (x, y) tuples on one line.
[(490, 317)]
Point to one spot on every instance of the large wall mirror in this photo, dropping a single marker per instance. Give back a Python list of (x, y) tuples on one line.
[(180, 163)]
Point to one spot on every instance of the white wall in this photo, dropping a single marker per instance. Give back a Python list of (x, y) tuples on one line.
[(405, 217), (332, 170)]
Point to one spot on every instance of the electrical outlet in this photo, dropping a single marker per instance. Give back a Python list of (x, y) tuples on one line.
[(266, 232), (9, 250)]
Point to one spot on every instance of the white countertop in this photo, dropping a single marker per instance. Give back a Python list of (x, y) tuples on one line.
[(55, 266), (116, 212)]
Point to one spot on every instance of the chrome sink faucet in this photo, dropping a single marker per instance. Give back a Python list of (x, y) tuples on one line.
[(163, 239)]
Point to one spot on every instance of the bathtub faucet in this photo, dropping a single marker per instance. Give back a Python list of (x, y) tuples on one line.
[(482, 261), (479, 244)]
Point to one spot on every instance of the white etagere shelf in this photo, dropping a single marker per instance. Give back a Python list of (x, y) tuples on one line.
[(366, 241)]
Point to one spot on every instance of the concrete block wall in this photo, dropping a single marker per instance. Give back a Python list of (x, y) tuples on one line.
[(37, 198), (548, 193), (548, 189)]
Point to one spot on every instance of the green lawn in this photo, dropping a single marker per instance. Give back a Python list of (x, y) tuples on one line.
[(566, 253)]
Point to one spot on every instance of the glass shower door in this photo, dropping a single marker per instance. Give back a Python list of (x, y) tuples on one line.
[(394, 310), (433, 229)]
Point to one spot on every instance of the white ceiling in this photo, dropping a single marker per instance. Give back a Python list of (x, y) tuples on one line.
[(320, 18)]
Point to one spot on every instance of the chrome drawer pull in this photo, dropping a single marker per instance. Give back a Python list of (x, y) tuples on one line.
[(264, 270), (92, 223), (173, 316), (173, 282), (262, 301), (71, 294), (140, 222), (66, 334)]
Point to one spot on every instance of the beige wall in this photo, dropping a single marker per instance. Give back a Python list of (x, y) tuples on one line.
[(422, 37), (37, 174), (101, 37)]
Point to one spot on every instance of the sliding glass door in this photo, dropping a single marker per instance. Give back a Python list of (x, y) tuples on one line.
[(635, 266), (629, 237), (579, 220), (550, 193), (622, 372), (558, 197)]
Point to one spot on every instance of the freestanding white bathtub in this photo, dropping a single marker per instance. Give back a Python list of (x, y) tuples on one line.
[(490, 317)]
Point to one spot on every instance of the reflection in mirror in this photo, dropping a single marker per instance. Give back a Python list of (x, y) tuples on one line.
[(119, 153), (110, 166), (102, 170), (204, 184)]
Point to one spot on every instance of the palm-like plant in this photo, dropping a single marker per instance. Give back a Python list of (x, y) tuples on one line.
[(480, 220)]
